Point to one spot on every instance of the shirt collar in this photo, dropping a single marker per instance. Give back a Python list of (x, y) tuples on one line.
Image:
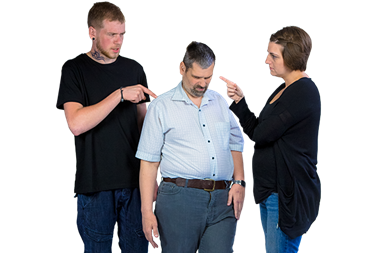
[(180, 95)]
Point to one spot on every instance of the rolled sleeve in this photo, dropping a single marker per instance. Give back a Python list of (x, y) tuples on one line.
[(236, 139)]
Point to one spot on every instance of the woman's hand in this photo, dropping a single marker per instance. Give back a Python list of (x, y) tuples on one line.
[(233, 90)]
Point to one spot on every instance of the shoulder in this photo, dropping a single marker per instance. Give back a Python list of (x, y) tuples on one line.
[(303, 94), (129, 62), (214, 95), (78, 62), (163, 99)]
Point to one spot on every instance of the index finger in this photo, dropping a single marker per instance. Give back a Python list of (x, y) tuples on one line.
[(226, 80), (149, 92)]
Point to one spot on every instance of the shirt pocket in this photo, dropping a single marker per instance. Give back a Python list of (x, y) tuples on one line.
[(223, 134)]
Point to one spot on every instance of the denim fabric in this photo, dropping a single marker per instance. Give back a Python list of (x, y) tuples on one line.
[(191, 219), (276, 240), (98, 213)]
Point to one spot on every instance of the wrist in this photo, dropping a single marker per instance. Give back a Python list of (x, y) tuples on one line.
[(237, 100), (121, 95), (239, 182)]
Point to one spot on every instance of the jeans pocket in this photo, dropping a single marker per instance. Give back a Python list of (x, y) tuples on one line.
[(167, 188), (85, 199)]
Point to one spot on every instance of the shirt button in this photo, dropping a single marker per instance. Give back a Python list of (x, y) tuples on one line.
[(212, 158), (203, 125), (214, 175), (208, 141)]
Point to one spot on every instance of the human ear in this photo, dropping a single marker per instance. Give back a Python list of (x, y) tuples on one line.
[(182, 68), (92, 32)]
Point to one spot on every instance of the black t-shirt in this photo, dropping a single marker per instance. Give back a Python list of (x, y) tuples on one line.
[(285, 157), (105, 154)]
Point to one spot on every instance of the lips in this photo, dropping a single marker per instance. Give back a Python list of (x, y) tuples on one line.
[(116, 50)]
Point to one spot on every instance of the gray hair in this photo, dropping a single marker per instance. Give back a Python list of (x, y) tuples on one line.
[(200, 53)]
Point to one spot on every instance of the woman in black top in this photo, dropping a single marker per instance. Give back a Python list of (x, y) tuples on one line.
[(286, 183)]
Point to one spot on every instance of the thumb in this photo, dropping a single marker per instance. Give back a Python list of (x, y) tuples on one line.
[(155, 232), (230, 198)]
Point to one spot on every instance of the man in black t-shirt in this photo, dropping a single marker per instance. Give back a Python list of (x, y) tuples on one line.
[(103, 96)]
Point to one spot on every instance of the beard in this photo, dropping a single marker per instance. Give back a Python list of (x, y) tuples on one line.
[(104, 52), (198, 93)]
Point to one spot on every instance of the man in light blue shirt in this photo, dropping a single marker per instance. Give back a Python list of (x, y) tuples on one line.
[(190, 132)]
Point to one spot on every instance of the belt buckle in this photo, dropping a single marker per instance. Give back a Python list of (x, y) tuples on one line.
[(214, 185)]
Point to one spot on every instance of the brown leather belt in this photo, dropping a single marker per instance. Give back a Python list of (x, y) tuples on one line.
[(207, 184)]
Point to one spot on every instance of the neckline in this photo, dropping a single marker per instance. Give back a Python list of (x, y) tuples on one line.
[(284, 90), (103, 64)]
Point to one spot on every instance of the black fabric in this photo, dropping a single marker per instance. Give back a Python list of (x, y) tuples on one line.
[(105, 154), (285, 156)]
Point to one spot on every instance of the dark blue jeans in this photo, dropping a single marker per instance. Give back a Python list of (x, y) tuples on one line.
[(191, 219), (98, 213)]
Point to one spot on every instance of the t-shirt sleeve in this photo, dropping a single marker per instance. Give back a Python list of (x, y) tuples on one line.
[(70, 89)]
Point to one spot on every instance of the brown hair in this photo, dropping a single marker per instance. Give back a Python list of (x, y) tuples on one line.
[(104, 11), (296, 44)]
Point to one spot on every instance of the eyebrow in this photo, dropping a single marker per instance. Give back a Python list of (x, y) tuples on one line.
[(116, 33), (201, 77)]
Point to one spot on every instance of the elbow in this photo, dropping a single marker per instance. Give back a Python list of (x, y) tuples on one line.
[(75, 129)]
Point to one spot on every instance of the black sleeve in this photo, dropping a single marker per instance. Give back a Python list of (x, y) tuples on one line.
[(247, 119), (70, 89)]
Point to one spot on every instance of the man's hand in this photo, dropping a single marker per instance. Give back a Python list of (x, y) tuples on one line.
[(135, 93), (149, 226), (237, 196), (233, 90)]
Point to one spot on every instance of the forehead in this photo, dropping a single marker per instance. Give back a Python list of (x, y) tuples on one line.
[(275, 48), (196, 70), (113, 26)]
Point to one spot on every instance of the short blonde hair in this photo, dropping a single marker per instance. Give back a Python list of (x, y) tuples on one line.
[(296, 44), (104, 11)]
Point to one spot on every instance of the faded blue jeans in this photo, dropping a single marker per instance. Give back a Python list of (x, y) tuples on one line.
[(98, 213), (276, 240), (191, 219)]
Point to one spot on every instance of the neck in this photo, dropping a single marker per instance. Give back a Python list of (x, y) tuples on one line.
[(293, 76), (97, 56)]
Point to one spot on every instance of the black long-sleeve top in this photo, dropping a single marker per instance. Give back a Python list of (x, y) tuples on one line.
[(285, 156)]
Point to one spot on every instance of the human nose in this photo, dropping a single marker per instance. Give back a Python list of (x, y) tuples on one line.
[(119, 39), (268, 59)]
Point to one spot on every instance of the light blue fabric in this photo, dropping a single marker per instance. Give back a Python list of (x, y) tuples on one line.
[(190, 142)]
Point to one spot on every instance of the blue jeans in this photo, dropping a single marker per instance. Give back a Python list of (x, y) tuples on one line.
[(276, 240), (191, 219), (98, 213)]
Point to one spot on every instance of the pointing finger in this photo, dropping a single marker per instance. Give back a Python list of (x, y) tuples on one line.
[(149, 92), (226, 80)]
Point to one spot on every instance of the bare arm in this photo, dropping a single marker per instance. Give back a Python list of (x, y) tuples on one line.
[(142, 110), (81, 119), (147, 182)]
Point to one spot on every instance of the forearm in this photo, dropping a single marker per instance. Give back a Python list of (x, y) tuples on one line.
[(147, 182), (238, 173), (142, 110), (81, 119), (247, 119)]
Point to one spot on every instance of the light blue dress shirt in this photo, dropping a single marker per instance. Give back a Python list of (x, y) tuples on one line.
[(190, 142)]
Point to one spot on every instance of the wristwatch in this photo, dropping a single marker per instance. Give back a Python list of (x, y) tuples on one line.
[(240, 182)]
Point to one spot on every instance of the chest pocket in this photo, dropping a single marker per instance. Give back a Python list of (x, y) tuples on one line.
[(223, 134)]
